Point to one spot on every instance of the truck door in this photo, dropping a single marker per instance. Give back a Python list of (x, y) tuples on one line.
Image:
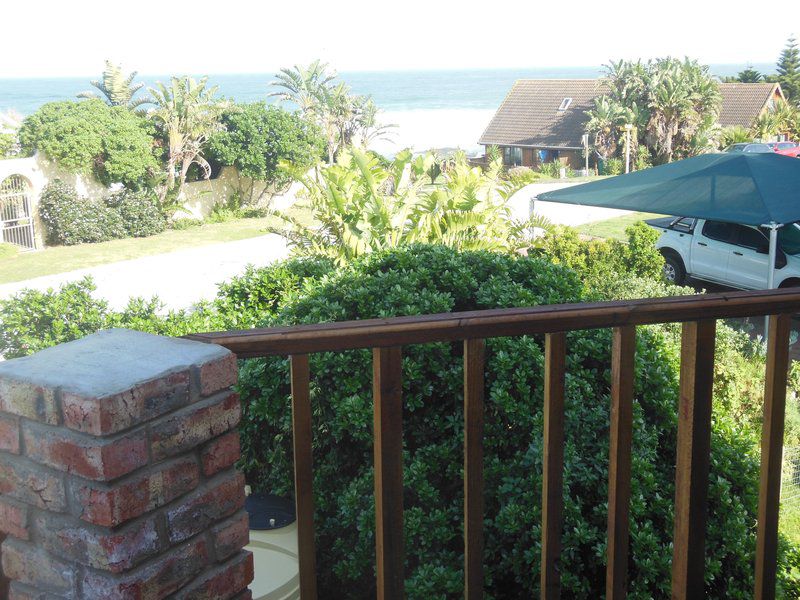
[(711, 249), (747, 265)]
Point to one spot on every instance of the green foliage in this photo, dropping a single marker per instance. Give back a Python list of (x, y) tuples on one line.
[(788, 68), (256, 138), (117, 88), (613, 166), (493, 154), (551, 169), (421, 280), (519, 177), (71, 219), (185, 223), (92, 138), (642, 159), (672, 104), (361, 207), (8, 144), (601, 261), (139, 210), (734, 135)]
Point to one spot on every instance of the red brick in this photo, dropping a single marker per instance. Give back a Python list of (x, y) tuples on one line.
[(155, 580), (231, 536), (29, 400), (113, 505), (114, 550), (24, 480), (99, 459), (222, 583), (9, 434), (217, 499), (115, 413), (221, 453), (219, 374), (195, 425), (14, 519), (28, 564)]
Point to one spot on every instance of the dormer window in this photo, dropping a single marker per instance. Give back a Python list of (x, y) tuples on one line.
[(565, 104)]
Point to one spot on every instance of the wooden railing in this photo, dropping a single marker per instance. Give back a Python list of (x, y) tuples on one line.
[(387, 336)]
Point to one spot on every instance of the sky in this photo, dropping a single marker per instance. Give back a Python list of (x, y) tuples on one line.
[(59, 38)]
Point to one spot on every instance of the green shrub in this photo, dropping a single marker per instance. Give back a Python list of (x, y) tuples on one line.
[(613, 166), (72, 219), (422, 280), (185, 223), (139, 211), (521, 176), (551, 169)]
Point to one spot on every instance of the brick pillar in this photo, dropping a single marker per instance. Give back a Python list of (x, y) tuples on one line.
[(117, 475)]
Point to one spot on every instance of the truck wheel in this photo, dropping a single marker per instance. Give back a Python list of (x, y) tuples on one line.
[(673, 270)]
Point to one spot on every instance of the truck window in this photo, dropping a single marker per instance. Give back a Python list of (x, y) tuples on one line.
[(789, 238), (716, 230), (751, 238), (685, 224)]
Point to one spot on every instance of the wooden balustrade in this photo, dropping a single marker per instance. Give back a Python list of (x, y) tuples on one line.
[(387, 336)]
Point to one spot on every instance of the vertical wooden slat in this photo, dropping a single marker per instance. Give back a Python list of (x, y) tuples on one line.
[(388, 439), (623, 351), (693, 455), (553, 473), (771, 455), (303, 478), (474, 356)]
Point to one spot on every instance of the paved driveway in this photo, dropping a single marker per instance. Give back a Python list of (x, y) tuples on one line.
[(179, 278)]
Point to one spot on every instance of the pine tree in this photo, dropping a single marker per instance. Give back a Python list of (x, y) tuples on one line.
[(749, 75), (789, 70)]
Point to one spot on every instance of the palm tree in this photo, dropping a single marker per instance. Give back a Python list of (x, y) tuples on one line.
[(188, 113), (605, 120), (307, 87), (117, 88)]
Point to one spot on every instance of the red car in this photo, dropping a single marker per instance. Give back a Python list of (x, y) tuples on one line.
[(785, 148)]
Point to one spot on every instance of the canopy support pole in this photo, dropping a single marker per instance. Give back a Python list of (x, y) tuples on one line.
[(773, 253)]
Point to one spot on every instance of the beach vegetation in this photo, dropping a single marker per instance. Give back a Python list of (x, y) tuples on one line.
[(256, 139), (70, 218), (186, 113), (92, 138), (788, 71), (672, 106), (360, 206), (118, 88)]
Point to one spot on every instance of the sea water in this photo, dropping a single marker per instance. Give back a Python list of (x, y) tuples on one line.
[(430, 109)]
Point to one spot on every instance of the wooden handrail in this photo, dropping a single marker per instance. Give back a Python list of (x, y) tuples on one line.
[(387, 336), (458, 326)]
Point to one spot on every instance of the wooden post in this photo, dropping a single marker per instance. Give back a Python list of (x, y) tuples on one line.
[(553, 473), (619, 462), (693, 456), (474, 355), (772, 455), (388, 439), (303, 475)]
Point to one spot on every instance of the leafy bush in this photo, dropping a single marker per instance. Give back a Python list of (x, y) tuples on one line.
[(185, 223), (522, 176), (613, 166), (8, 145), (601, 261), (90, 137), (551, 169), (256, 138), (436, 279), (139, 211), (72, 219)]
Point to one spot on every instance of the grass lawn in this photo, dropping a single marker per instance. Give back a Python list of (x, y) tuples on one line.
[(60, 259), (614, 228)]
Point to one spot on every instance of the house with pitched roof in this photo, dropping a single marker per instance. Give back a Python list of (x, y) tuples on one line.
[(543, 120)]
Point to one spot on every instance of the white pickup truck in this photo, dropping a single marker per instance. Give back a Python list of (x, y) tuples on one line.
[(726, 253)]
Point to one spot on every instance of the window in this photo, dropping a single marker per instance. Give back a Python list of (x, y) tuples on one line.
[(684, 224), (715, 230), (512, 156), (751, 238), (565, 104)]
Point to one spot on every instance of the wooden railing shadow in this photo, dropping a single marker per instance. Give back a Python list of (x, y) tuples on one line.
[(386, 337)]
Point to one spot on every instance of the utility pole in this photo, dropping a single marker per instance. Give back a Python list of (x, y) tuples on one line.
[(628, 128)]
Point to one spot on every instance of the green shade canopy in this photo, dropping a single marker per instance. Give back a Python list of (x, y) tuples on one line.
[(752, 189)]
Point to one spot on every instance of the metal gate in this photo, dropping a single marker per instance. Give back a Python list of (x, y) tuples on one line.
[(16, 219)]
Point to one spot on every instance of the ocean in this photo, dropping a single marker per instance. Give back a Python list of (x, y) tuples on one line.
[(431, 109)]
